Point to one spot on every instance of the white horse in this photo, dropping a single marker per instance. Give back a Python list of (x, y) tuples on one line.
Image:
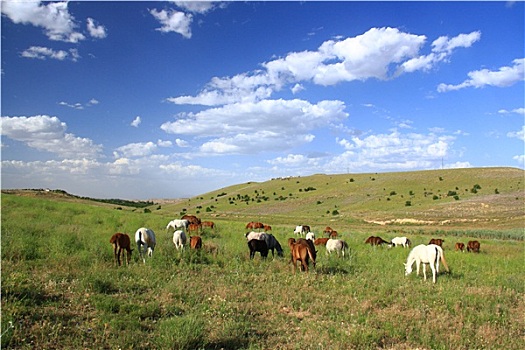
[(310, 236), (426, 254), (298, 230), (179, 239), (256, 235), (402, 241), (336, 245), (146, 242), (176, 224)]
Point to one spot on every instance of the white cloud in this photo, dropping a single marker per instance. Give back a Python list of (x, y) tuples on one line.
[(520, 159), (54, 17), (515, 110), (136, 122), (96, 31), (42, 53), (173, 21), (182, 143), (135, 150), (291, 160), (257, 127), (200, 7), (164, 143), (520, 135), (442, 48), (393, 151), (379, 53), (504, 77), (48, 134), (79, 105)]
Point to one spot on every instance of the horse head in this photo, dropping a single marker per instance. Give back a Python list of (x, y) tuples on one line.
[(408, 269)]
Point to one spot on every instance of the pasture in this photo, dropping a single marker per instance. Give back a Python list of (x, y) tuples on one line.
[(62, 289)]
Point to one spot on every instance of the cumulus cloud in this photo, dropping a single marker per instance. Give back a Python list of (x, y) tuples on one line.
[(182, 143), (393, 151), (96, 31), (54, 17), (43, 53), (135, 150), (504, 77), (442, 48), (173, 21), (257, 126), (46, 133), (379, 53)]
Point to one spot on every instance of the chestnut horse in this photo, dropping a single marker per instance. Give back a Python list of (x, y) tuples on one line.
[(301, 250), (121, 241)]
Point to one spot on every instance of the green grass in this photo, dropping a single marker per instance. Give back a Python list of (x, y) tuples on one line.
[(61, 289)]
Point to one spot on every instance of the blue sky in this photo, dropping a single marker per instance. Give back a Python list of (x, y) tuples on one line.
[(144, 100)]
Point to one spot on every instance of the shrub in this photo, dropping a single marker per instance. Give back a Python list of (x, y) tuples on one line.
[(408, 203)]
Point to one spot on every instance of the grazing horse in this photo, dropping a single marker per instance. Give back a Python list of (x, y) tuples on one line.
[(321, 241), (179, 239), (267, 228), (332, 234), (437, 241), (327, 231), (301, 230), (146, 242), (402, 241), (252, 225), (459, 246), (373, 240), (195, 242), (121, 241), (336, 245), (271, 241), (176, 224), (473, 246), (302, 250), (209, 224), (192, 219), (256, 245), (194, 227), (426, 254)]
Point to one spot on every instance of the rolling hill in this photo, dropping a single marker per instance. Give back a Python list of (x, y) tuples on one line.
[(475, 197)]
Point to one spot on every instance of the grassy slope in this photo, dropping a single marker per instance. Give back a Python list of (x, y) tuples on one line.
[(61, 290), (369, 197)]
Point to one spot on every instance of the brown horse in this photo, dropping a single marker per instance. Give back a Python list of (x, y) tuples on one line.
[(195, 242), (254, 225), (473, 246), (321, 241), (209, 224), (192, 219), (373, 240), (121, 241), (459, 246), (301, 250), (437, 241)]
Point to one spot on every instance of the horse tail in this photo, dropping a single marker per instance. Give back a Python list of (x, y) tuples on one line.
[(443, 261), (310, 254)]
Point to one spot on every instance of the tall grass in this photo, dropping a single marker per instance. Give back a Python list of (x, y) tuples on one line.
[(61, 289)]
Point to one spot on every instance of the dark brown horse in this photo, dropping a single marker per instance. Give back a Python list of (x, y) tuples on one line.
[(252, 225), (437, 241), (121, 241), (374, 240), (473, 246)]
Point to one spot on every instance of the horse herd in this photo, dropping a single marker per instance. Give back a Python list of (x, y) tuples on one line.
[(302, 250)]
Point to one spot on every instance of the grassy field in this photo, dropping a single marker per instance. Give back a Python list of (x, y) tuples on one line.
[(61, 289)]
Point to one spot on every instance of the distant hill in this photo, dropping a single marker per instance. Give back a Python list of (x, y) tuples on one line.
[(473, 198), (480, 197)]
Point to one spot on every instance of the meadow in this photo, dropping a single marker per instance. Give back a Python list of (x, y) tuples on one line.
[(61, 289)]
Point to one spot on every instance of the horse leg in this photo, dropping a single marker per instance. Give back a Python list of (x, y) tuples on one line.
[(424, 272), (115, 253), (433, 273)]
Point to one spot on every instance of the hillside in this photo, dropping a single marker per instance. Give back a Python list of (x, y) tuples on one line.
[(474, 197)]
